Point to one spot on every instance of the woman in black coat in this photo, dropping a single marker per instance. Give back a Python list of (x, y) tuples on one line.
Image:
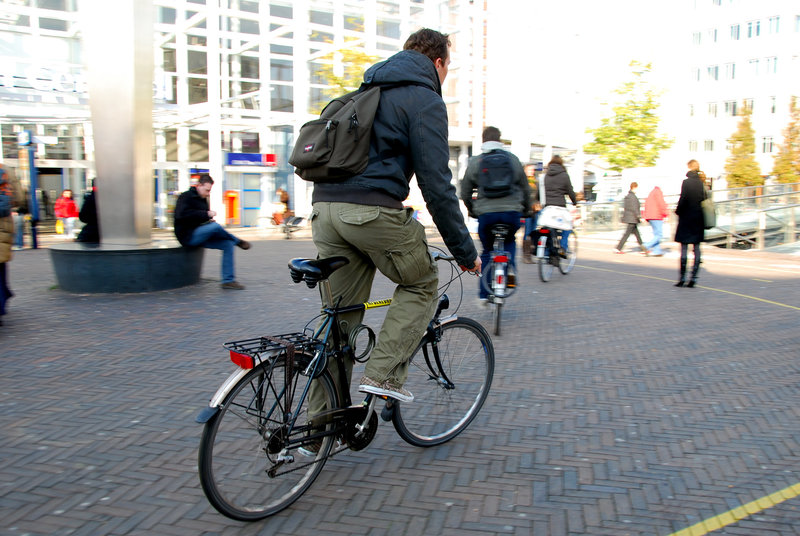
[(690, 221)]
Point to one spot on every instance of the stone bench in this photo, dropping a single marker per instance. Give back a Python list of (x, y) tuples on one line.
[(96, 268)]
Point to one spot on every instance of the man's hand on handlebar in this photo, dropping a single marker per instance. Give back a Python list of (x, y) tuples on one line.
[(476, 268)]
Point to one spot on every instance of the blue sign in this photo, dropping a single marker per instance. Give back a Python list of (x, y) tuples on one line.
[(250, 159)]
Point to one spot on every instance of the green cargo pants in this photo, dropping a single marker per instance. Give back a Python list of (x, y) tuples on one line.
[(392, 241)]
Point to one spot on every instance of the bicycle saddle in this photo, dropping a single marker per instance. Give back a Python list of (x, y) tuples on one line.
[(500, 229), (313, 271)]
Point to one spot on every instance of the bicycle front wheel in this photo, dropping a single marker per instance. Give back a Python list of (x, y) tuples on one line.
[(572, 254), (448, 393), (249, 462)]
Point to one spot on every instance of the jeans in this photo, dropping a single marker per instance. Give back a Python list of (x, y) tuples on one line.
[(530, 226), (211, 235), (19, 230), (485, 222), (69, 226), (658, 233)]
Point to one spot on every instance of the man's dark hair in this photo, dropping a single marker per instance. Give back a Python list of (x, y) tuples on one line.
[(429, 42), (491, 134), (204, 178)]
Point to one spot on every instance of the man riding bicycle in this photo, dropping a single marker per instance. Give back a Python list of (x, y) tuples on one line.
[(363, 218), (503, 195)]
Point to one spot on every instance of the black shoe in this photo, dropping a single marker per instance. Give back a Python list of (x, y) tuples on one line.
[(244, 244), (680, 283), (691, 284)]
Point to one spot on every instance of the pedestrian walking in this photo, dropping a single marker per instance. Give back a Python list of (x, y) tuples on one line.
[(691, 226), (655, 212), (11, 197), (631, 217), (66, 212)]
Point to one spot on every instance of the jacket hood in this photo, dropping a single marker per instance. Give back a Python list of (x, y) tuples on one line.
[(489, 146), (555, 169), (405, 66)]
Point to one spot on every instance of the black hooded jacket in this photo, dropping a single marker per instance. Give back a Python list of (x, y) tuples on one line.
[(557, 184), (191, 211), (411, 124)]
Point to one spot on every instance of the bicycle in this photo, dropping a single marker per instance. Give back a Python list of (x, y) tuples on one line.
[(499, 279), (250, 460), (550, 254)]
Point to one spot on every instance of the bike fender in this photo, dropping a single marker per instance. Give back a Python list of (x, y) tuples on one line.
[(219, 396)]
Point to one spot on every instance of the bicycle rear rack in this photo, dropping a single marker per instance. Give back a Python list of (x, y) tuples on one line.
[(248, 353)]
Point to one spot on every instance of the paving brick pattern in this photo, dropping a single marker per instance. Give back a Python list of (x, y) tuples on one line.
[(621, 405)]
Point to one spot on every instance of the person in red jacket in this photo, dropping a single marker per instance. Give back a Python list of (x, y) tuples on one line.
[(66, 211), (655, 211)]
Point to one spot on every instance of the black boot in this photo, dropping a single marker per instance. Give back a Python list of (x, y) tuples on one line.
[(693, 280), (682, 280)]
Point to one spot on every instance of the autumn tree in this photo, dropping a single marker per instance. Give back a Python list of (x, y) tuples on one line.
[(630, 138), (342, 70), (787, 162), (741, 167)]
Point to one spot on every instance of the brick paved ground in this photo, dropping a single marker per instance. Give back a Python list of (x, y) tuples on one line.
[(621, 405)]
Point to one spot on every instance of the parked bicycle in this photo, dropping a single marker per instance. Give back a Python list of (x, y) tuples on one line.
[(499, 279), (261, 449), (550, 253)]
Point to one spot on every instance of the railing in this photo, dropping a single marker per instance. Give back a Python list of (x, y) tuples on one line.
[(762, 220)]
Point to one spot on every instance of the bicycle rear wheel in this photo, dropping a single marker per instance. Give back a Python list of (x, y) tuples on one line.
[(498, 307), (572, 254), (445, 404), (243, 444), (545, 269)]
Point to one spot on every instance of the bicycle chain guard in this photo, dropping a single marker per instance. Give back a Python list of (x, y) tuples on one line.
[(359, 440)]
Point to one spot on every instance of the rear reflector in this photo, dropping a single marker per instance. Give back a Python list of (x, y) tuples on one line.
[(500, 258), (243, 360)]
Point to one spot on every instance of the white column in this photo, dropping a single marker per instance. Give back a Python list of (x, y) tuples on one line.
[(119, 59)]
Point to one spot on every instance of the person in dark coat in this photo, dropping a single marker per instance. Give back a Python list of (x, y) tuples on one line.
[(90, 233), (557, 186), (690, 221), (630, 216)]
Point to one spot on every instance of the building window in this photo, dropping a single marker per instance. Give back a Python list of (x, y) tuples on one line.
[(281, 70), (730, 108), (748, 105), (693, 146), (716, 2), (730, 71), (198, 145), (198, 91), (712, 35), (712, 109), (774, 24), (696, 38), (281, 98), (767, 146), (753, 28), (773, 104), (697, 74), (321, 17), (198, 62), (284, 12), (691, 110), (734, 32), (797, 23), (354, 23), (772, 65), (713, 72), (753, 63), (389, 29), (708, 145)]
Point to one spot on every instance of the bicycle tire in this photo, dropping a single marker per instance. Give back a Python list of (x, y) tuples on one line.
[(545, 269), (567, 264), (498, 307), (239, 445), (438, 413)]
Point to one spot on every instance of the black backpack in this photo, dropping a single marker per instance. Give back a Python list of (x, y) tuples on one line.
[(336, 146), (496, 176)]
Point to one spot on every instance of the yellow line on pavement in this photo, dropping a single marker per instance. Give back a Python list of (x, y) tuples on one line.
[(779, 304), (734, 516), (762, 280)]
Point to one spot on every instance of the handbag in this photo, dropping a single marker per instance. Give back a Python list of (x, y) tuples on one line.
[(553, 216), (709, 211)]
